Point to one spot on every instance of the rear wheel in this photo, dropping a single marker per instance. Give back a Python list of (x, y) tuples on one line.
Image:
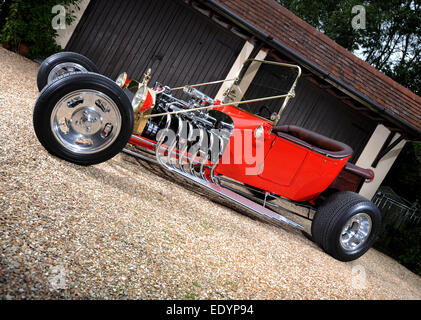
[(60, 64), (346, 225), (83, 118)]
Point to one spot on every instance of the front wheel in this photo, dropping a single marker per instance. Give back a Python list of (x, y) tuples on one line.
[(60, 64), (346, 225), (83, 118)]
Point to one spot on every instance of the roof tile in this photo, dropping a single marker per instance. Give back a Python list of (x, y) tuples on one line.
[(287, 28)]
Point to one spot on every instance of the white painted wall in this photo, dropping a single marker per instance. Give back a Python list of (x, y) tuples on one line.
[(250, 74), (370, 153), (235, 69), (65, 34)]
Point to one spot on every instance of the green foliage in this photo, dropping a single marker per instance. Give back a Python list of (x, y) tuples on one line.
[(411, 256), (405, 174), (4, 12), (30, 22), (391, 41), (403, 245)]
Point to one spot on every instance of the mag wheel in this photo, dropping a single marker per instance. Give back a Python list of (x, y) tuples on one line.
[(83, 118), (60, 64), (346, 225)]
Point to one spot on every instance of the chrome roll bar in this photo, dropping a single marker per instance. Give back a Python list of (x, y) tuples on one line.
[(287, 96)]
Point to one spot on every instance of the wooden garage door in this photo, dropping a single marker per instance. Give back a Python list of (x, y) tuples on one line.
[(181, 45)]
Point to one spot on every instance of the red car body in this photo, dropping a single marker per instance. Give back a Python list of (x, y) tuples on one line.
[(288, 169), (86, 118)]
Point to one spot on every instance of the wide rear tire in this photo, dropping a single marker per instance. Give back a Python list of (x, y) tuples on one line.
[(83, 118), (346, 225)]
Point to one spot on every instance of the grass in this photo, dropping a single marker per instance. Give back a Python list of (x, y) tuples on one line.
[(190, 296), (206, 226)]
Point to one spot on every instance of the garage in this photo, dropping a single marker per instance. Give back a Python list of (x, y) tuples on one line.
[(124, 229), (186, 41), (167, 36)]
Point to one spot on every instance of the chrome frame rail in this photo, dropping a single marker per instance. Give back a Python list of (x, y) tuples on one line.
[(208, 185), (266, 202), (141, 156)]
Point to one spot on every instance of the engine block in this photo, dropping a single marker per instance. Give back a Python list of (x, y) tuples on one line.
[(192, 141)]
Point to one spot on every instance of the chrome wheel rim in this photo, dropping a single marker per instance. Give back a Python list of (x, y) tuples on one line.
[(356, 231), (86, 121), (64, 68)]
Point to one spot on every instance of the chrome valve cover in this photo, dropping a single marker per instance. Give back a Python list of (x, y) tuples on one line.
[(192, 142)]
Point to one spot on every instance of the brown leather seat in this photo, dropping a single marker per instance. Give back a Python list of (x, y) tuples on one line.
[(314, 141)]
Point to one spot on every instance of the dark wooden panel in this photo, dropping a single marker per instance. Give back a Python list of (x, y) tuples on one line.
[(313, 108), (180, 45), (347, 181)]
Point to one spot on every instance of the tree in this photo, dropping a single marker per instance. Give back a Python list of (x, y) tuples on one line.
[(405, 174), (29, 23), (391, 41), (4, 11)]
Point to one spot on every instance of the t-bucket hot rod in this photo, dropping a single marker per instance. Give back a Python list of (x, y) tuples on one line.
[(86, 118)]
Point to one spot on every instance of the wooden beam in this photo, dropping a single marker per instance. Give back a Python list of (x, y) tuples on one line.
[(272, 54), (327, 86), (343, 98), (387, 147)]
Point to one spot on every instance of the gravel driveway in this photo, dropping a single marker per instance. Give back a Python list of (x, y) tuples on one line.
[(115, 230)]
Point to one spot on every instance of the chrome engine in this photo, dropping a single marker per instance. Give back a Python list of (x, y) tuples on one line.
[(190, 145), (192, 142)]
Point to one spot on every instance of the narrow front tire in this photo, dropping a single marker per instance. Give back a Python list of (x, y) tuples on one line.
[(83, 118)]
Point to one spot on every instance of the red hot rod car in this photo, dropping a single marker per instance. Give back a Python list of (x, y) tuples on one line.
[(85, 118)]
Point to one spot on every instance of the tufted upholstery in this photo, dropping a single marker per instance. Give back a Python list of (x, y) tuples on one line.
[(314, 141)]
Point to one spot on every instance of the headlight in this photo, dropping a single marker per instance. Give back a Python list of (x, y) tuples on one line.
[(122, 80), (258, 133), (139, 97)]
